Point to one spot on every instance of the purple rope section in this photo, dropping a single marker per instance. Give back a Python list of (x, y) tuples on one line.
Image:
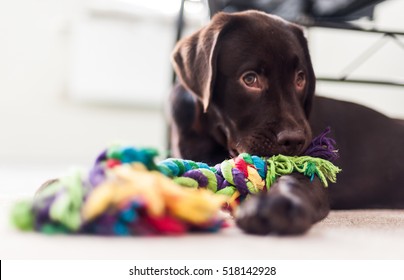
[(323, 147)]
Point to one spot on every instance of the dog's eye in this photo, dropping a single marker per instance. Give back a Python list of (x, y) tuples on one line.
[(300, 79), (250, 79)]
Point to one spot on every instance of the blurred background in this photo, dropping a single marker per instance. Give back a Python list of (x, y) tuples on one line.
[(78, 75)]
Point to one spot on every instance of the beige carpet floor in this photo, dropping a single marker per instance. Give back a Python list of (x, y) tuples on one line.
[(362, 234), (343, 235)]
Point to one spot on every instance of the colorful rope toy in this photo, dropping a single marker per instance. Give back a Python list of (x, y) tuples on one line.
[(127, 193)]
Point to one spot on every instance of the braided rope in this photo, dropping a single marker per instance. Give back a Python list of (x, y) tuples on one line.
[(237, 178), (245, 173)]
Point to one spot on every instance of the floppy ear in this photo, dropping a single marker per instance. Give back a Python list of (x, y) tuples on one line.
[(311, 78), (194, 59)]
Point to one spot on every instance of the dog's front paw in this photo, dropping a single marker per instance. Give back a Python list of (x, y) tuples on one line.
[(281, 212)]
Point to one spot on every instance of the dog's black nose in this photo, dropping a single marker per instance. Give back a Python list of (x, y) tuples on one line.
[(291, 142)]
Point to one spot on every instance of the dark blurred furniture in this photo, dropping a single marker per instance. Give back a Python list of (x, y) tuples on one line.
[(302, 10)]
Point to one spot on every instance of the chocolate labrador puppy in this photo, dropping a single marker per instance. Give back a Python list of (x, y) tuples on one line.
[(247, 85)]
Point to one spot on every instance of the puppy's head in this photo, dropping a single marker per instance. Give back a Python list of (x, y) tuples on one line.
[(252, 74)]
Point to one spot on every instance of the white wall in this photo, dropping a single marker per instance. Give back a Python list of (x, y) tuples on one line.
[(39, 119)]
